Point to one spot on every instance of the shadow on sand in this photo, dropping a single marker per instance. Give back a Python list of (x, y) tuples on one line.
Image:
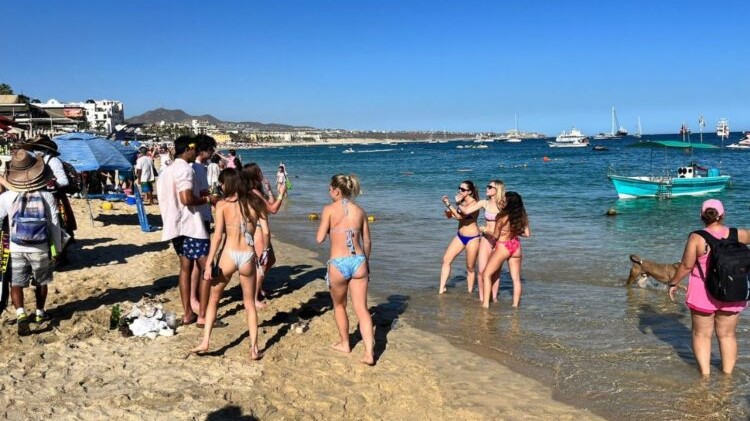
[(229, 412), (105, 255)]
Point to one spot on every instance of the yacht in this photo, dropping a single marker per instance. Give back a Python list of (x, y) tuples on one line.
[(617, 130), (722, 128), (570, 139)]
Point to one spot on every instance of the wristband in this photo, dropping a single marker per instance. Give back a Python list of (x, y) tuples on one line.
[(279, 197)]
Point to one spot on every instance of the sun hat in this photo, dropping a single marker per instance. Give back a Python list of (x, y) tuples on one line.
[(41, 143), (26, 172), (713, 204)]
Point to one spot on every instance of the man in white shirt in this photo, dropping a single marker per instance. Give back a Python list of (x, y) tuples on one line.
[(32, 251), (182, 222), (145, 174)]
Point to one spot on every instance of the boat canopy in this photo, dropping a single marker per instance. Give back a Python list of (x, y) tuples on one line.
[(673, 144)]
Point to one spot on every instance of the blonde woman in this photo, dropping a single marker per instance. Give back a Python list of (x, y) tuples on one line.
[(345, 222), (467, 236), (236, 219), (495, 200)]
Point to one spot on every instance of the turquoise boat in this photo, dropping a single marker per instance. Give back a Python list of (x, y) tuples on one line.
[(689, 180)]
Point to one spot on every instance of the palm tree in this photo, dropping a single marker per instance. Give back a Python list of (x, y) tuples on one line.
[(5, 89)]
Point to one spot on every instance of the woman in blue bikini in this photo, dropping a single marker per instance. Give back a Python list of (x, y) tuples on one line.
[(467, 237), (346, 223)]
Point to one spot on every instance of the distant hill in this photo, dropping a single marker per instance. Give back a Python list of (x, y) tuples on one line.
[(169, 116), (179, 116)]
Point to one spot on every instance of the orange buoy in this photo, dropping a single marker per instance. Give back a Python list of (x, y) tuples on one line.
[(546, 159)]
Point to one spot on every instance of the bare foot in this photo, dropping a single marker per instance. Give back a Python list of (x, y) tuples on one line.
[(260, 304), (368, 359), (195, 306), (341, 347), (201, 348), (486, 305), (255, 355), (443, 291)]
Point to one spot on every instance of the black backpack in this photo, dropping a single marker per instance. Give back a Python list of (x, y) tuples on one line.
[(75, 184), (728, 267)]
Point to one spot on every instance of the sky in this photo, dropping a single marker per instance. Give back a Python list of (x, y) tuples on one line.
[(393, 65)]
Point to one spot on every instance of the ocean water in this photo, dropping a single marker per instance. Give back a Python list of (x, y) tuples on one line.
[(622, 352)]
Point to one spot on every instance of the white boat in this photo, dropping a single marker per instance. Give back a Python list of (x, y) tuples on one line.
[(722, 128), (515, 135), (617, 131), (570, 139), (348, 150), (742, 144), (638, 134)]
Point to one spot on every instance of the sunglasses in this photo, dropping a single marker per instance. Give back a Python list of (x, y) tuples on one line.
[(490, 186), (463, 189)]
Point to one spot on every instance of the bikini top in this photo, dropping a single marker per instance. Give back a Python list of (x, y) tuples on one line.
[(348, 231), (243, 228), (490, 217), (467, 216)]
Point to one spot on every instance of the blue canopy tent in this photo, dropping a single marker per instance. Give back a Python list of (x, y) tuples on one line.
[(87, 152)]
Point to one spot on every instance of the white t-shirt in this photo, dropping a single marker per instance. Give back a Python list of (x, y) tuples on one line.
[(178, 219), (146, 165)]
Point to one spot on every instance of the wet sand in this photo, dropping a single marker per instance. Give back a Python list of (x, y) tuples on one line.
[(75, 367)]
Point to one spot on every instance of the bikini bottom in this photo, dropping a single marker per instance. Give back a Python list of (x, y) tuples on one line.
[(346, 265), (241, 258), (464, 239)]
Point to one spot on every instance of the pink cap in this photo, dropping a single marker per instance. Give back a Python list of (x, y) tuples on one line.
[(713, 203)]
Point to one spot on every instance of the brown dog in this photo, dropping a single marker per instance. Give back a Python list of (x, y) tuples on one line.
[(662, 272)]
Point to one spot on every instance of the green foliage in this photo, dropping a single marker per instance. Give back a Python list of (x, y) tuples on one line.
[(5, 89)]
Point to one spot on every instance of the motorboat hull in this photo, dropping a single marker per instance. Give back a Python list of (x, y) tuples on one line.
[(661, 187)]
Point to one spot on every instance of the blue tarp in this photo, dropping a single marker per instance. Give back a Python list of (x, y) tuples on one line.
[(87, 152)]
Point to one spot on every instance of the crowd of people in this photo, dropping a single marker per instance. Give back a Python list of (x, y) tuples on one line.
[(215, 212), (490, 246)]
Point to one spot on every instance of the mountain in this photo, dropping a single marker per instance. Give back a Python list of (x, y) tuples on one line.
[(179, 116), (170, 116)]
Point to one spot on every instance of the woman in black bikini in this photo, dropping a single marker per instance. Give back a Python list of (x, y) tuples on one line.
[(467, 237)]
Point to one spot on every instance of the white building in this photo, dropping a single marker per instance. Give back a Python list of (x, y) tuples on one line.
[(102, 115)]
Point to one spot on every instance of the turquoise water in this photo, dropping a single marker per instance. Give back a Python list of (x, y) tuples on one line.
[(615, 350)]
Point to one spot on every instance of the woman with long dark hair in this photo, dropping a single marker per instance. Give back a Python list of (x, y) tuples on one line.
[(511, 223), (467, 236), (236, 219)]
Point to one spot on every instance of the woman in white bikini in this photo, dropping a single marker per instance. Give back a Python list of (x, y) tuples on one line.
[(236, 219), (491, 205), (346, 224)]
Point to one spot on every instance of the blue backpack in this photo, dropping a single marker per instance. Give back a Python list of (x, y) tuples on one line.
[(29, 219)]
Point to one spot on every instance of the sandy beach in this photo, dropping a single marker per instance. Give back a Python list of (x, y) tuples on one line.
[(74, 367)]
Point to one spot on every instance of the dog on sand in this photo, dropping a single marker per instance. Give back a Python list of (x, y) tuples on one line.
[(643, 269)]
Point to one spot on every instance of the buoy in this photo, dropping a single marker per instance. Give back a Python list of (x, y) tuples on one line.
[(370, 218), (545, 159), (107, 206), (313, 216), (611, 212)]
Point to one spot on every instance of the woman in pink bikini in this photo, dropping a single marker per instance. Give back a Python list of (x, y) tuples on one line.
[(511, 223), (467, 236), (707, 313), (495, 193)]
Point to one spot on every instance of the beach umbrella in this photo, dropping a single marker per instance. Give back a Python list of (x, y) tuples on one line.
[(87, 152)]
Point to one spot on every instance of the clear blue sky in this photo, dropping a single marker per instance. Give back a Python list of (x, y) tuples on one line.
[(393, 64)]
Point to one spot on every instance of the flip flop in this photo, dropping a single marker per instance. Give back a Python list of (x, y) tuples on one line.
[(217, 324)]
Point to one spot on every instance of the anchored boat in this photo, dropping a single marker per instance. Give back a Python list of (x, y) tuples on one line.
[(689, 180)]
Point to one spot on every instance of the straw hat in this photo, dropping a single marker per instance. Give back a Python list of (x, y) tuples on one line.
[(41, 143), (26, 172)]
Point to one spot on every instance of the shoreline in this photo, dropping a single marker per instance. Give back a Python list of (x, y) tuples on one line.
[(75, 367)]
